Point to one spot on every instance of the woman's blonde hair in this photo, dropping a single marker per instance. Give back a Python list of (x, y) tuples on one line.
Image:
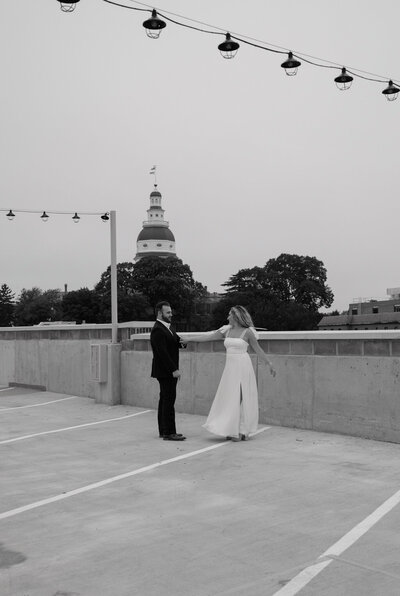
[(241, 316)]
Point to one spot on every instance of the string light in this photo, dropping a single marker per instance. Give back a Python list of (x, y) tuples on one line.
[(230, 46), (391, 92), (68, 5), (291, 65), (154, 26), (343, 81), (45, 214)]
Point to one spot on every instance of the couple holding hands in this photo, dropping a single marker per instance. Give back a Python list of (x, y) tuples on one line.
[(234, 411)]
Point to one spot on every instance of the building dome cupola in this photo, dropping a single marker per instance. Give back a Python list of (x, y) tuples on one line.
[(155, 238)]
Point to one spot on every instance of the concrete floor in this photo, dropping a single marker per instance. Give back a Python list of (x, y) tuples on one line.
[(109, 509)]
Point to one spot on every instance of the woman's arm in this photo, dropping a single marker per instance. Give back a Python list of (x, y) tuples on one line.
[(209, 336), (251, 338)]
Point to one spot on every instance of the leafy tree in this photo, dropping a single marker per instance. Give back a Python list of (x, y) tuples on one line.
[(132, 305), (6, 306), (81, 305), (285, 294), (34, 306), (246, 280), (299, 278), (267, 312), (124, 280), (168, 279), (261, 305), (141, 285)]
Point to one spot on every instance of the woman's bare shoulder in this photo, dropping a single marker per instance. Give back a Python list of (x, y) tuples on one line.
[(251, 334)]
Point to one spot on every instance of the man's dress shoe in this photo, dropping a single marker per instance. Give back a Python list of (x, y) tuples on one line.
[(174, 437)]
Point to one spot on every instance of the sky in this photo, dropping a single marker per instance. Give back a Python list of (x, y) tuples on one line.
[(251, 163)]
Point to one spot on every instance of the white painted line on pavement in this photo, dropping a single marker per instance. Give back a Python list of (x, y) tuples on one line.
[(260, 430), (7, 389), (304, 577), (60, 430), (102, 483), (36, 405)]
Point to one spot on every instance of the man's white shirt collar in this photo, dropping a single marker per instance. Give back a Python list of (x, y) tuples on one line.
[(168, 325)]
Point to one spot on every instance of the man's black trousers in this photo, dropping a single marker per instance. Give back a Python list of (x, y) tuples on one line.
[(166, 406)]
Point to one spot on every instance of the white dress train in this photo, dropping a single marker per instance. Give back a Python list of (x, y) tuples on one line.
[(234, 410)]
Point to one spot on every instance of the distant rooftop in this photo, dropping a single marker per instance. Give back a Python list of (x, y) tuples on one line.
[(391, 294)]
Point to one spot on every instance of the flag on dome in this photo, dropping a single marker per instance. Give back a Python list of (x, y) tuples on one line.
[(153, 170)]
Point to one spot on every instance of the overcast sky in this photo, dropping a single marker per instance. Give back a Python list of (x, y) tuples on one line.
[(251, 163)]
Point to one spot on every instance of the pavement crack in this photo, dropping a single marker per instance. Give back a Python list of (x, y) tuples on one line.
[(361, 566)]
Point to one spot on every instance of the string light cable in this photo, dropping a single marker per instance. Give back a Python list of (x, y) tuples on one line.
[(230, 46), (45, 215)]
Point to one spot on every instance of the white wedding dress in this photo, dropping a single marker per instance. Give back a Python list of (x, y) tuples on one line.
[(234, 410)]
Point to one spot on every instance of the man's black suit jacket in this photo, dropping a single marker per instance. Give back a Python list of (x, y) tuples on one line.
[(165, 345)]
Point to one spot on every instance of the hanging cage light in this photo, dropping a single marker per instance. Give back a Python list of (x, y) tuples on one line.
[(391, 92), (154, 25), (68, 5), (44, 217), (291, 65), (10, 215), (229, 47), (343, 81), (76, 218)]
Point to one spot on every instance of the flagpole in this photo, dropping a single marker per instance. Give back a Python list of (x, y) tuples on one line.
[(153, 172)]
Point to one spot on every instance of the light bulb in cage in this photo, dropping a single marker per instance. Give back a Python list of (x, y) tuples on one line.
[(154, 25), (291, 65), (229, 47), (343, 81), (391, 92), (67, 5)]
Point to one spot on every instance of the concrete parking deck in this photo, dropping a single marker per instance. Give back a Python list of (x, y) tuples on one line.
[(93, 503)]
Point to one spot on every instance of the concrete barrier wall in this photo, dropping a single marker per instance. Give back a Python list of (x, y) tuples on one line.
[(326, 382), (59, 366), (344, 382), (50, 358), (7, 362), (55, 357)]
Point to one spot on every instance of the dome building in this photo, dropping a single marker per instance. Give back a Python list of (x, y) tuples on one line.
[(155, 239)]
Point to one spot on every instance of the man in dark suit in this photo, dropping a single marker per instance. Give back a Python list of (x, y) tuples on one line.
[(165, 344)]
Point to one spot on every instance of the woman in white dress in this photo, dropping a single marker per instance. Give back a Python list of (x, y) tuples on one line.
[(234, 411)]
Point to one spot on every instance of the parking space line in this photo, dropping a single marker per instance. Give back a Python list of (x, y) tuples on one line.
[(36, 405), (7, 388), (102, 483), (60, 430), (296, 584)]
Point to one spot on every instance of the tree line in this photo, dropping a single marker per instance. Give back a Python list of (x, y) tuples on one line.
[(285, 294)]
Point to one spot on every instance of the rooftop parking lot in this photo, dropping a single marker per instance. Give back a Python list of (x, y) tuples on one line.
[(94, 503)]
